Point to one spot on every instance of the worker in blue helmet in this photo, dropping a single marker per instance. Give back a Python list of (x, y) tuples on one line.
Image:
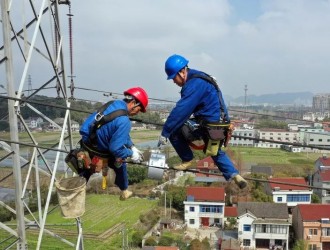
[(200, 114)]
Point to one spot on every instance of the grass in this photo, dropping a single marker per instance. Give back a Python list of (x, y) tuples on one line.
[(283, 163), (102, 212)]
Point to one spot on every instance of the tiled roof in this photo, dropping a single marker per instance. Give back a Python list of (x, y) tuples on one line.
[(298, 180), (325, 161), (209, 160), (264, 209), (325, 175), (314, 212), (207, 193), (230, 211)]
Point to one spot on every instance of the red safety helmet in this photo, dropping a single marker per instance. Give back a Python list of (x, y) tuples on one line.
[(140, 95)]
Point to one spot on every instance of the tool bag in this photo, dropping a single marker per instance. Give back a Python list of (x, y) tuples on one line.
[(214, 137)]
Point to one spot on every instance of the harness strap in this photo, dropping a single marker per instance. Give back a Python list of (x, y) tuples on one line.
[(101, 119), (212, 81), (94, 151)]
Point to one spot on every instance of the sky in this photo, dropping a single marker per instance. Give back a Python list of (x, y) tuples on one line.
[(272, 46)]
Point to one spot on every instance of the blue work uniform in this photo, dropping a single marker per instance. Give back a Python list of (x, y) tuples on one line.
[(200, 99), (113, 138)]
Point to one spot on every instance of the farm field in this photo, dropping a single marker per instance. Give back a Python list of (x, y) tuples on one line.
[(103, 221)]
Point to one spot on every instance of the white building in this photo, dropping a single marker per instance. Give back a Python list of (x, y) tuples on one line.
[(204, 207), (291, 195), (263, 225), (243, 141), (279, 135)]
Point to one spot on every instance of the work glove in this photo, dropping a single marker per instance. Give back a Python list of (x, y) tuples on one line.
[(162, 141), (137, 156)]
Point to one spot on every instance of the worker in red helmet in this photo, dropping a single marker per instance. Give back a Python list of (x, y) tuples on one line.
[(106, 138)]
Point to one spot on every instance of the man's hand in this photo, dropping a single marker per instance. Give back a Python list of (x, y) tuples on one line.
[(137, 156), (162, 141)]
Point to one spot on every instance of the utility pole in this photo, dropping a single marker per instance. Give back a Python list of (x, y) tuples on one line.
[(12, 111), (245, 100), (29, 85)]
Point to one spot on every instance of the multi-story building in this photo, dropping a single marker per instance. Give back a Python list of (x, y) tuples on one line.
[(291, 195), (279, 135), (311, 223), (263, 225), (321, 179), (204, 206), (321, 102), (237, 141)]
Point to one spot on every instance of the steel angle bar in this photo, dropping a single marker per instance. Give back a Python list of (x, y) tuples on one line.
[(28, 59), (8, 229), (35, 223), (51, 185)]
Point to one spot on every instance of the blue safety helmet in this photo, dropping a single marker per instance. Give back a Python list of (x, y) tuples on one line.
[(174, 64)]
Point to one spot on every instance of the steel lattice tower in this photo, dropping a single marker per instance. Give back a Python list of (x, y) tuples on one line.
[(33, 45)]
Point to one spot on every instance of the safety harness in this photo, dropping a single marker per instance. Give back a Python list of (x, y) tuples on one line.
[(212, 81), (89, 156), (216, 134), (101, 119)]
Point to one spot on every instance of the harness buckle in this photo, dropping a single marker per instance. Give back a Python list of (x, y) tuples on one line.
[(98, 117)]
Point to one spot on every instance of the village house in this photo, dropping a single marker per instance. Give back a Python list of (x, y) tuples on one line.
[(204, 207), (263, 225), (292, 195), (311, 224)]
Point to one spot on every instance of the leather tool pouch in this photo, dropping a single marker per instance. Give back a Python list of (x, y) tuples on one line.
[(72, 161), (78, 160), (215, 135), (99, 163)]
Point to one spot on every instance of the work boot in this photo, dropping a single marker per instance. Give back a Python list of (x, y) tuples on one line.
[(125, 194), (240, 181), (186, 165)]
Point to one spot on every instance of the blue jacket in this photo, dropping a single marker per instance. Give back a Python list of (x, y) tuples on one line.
[(198, 98), (113, 136)]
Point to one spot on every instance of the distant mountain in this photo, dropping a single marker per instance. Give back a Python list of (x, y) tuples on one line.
[(298, 98)]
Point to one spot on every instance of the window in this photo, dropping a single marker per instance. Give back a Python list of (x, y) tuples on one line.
[(320, 140), (326, 231), (191, 209), (246, 228), (312, 247), (279, 199), (246, 242), (312, 231), (311, 139), (191, 221), (274, 229), (210, 209), (298, 197)]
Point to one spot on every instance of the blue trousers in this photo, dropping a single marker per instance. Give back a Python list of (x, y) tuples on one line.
[(221, 160), (121, 179), (121, 176)]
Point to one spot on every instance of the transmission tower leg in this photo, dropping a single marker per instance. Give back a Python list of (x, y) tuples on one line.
[(80, 240), (5, 10)]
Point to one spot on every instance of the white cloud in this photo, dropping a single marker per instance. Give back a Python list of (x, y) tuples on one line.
[(272, 46)]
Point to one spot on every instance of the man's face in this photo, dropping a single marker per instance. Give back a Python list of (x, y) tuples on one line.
[(179, 78), (134, 110)]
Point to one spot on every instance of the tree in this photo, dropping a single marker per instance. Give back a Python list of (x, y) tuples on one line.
[(136, 174), (137, 239), (165, 240), (195, 244), (151, 241), (316, 198)]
